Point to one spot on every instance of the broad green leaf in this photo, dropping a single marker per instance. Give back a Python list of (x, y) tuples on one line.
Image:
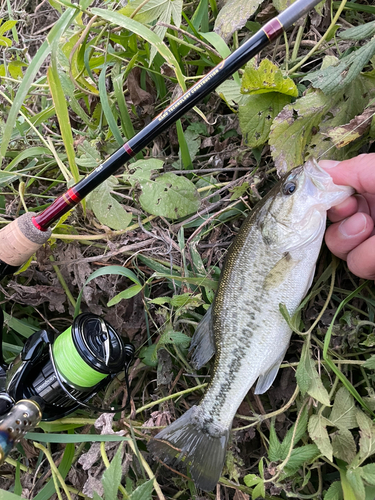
[(233, 16), (274, 451), (361, 32), (355, 481), (142, 170), (171, 337), (308, 378), (298, 434), (251, 480), (185, 299), (106, 208), (370, 492), (145, 33), (149, 355), (343, 445), (5, 41), (367, 433), (96, 496), (334, 492), (368, 473), (143, 492), (292, 129), (8, 25), (15, 69), (257, 115), (266, 78), (259, 491), (299, 456), (169, 196), (318, 433), (111, 478), (230, 92), (343, 414), (370, 363), (125, 294), (335, 78), (90, 157)]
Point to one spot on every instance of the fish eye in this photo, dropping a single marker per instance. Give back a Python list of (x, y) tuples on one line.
[(289, 188)]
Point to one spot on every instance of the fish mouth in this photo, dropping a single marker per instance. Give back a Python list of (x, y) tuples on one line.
[(320, 185)]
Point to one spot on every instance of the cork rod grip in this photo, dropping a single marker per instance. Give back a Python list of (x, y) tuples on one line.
[(19, 240)]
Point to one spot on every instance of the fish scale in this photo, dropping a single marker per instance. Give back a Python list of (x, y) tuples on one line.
[(271, 261)]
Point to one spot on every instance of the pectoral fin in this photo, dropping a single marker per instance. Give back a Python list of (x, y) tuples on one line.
[(203, 342), (266, 380), (280, 271)]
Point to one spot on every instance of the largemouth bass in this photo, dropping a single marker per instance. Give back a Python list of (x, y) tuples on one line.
[(271, 261)]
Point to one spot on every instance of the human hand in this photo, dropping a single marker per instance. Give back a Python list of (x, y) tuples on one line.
[(352, 236)]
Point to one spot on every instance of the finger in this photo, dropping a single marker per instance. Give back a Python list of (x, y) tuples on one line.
[(350, 206), (357, 172), (361, 260), (343, 237)]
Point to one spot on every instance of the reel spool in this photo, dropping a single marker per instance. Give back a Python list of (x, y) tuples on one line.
[(64, 373)]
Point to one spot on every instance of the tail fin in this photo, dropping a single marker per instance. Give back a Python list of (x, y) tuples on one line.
[(198, 439)]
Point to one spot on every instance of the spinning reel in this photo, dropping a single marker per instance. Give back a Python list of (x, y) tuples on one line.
[(53, 376)]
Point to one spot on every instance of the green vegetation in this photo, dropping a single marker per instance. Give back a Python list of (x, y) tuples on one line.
[(145, 249)]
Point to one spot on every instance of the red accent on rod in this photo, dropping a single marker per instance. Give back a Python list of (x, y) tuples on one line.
[(37, 225), (128, 149), (73, 195), (59, 207), (273, 28)]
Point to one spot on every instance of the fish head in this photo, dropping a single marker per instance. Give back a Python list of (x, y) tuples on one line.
[(296, 211)]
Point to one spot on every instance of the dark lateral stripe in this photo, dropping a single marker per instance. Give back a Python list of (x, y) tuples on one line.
[(128, 149), (273, 29)]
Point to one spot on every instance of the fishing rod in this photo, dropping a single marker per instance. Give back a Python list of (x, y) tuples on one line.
[(20, 239)]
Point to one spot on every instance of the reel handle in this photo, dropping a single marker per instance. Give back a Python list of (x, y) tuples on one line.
[(24, 416), (19, 240)]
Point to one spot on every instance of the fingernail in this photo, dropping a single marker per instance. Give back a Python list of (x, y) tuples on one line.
[(327, 164), (353, 226)]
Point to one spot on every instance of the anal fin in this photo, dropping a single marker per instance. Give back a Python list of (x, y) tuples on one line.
[(266, 379), (202, 344)]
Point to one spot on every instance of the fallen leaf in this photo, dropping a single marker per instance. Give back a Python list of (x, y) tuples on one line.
[(345, 134), (233, 16)]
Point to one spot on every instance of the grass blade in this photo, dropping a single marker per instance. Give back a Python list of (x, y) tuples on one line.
[(107, 108), (30, 74)]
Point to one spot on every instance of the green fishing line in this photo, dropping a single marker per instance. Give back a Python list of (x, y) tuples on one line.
[(70, 364)]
